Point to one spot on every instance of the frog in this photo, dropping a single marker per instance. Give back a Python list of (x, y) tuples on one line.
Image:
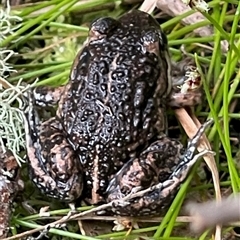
[(107, 141)]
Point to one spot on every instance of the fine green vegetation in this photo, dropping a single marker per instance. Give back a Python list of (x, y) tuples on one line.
[(38, 43)]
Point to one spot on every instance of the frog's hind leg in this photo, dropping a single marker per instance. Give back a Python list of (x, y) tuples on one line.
[(54, 167), (147, 185)]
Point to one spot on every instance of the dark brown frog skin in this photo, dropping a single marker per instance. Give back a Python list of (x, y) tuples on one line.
[(112, 105), (111, 116), (9, 186)]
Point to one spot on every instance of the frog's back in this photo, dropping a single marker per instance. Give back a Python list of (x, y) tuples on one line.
[(112, 104)]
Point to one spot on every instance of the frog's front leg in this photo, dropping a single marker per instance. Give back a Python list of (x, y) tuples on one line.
[(146, 185), (54, 167), (47, 96)]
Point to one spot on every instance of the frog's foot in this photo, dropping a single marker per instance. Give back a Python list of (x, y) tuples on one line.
[(54, 167), (47, 96), (72, 211), (156, 174), (43, 234), (64, 219)]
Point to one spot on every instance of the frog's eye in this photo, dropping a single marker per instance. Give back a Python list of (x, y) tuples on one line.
[(154, 41), (150, 41), (102, 27), (149, 37)]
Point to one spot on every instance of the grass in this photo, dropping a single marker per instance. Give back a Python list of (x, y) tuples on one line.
[(46, 37)]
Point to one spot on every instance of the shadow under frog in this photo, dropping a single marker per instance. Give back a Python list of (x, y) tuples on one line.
[(107, 139)]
